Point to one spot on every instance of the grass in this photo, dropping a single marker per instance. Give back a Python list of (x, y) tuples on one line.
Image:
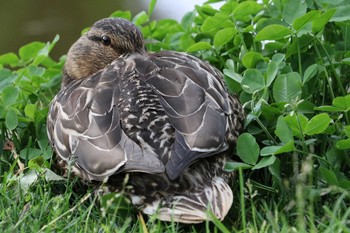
[(59, 207)]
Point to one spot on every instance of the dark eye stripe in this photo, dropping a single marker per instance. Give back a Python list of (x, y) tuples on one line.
[(102, 39), (95, 38), (99, 40)]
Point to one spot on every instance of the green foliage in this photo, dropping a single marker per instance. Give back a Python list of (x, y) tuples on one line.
[(27, 85), (289, 63)]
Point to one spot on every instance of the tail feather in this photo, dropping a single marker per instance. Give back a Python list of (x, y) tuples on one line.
[(193, 207)]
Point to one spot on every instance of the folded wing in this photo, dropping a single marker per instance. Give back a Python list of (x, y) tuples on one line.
[(84, 126), (193, 96)]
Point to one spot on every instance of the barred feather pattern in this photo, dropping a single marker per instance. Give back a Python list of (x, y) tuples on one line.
[(165, 119)]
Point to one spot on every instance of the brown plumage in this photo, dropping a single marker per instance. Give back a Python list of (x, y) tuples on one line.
[(165, 119)]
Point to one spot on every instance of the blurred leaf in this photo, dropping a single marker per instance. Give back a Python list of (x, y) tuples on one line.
[(30, 152), (287, 87), (140, 18), (275, 150), (318, 25), (233, 75), (302, 21), (199, 46), (214, 23), (310, 72), (318, 124), (269, 150), (9, 59), (273, 32), (36, 163), (11, 120), (328, 175), (299, 44), (342, 102), (35, 71), (47, 152), (306, 107), (252, 81), (30, 110), (274, 45), (165, 27), (228, 7), (275, 169), (346, 61), (345, 184), (187, 20), (343, 144), (346, 130), (43, 53), (51, 176), (265, 162), (247, 148), (297, 123), (28, 179), (341, 14), (250, 59), (186, 41), (151, 6), (278, 58), (30, 51), (32, 176), (288, 147), (330, 3), (9, 95), (43, 140), (271, 72), (208, 10), (233, 166), (224, 36), (121, 14), (6, 78), (246, 8), (293, 9), (283, 132), (328, 109)]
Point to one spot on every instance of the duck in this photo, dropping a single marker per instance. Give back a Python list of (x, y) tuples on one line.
[(158, 126)]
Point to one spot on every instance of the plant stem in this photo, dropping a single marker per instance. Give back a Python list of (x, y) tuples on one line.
[(337, 78), (266, 131), (240, 34), (241, 189), (299, 59), (305, 149)]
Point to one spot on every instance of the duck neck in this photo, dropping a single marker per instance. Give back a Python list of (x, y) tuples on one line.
[(66, 79)]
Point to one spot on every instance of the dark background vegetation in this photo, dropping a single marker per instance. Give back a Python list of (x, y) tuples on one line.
[(26, 21)]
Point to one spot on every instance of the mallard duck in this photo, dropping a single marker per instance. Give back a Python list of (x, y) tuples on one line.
[(165, 120)]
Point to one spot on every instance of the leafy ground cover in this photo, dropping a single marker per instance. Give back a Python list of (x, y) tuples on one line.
[(289, 62)]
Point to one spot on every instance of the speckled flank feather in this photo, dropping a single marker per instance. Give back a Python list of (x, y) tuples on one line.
[(193, 207), (165, 119)]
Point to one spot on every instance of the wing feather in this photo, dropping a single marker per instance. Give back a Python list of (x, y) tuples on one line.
[(195, 99), (84, 125)]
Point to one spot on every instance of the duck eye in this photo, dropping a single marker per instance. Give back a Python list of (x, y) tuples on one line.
[(106, 40)]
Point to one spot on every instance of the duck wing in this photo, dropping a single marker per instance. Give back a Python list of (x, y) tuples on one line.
[(84, 126), (196, 102)]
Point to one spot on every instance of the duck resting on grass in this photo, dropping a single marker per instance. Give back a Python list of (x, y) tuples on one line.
[(165, 120)]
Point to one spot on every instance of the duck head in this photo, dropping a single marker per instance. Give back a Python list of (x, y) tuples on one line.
[(106, 40)]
